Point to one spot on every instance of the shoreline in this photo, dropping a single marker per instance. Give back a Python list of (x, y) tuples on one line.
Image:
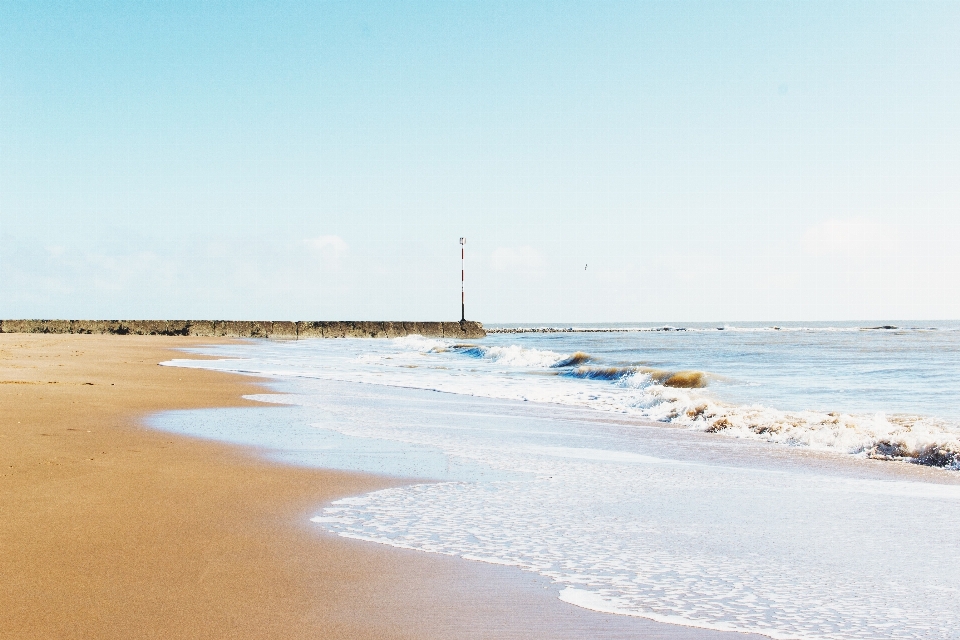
[(587, 493), (113, 529)]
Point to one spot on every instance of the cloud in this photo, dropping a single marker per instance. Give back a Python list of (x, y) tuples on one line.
[(331, 249), (523, 258), (851, 237)]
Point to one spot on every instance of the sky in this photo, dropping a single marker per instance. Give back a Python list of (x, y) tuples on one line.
[(606, 162)]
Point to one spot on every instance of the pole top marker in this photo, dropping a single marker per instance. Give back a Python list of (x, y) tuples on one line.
[(463, 241)]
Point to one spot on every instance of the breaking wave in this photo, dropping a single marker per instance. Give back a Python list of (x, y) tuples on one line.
[(601, 373), (917, 439), (678, 379), (572, 360), (909, 438), (675, 397), (513, 355), (573, 365)]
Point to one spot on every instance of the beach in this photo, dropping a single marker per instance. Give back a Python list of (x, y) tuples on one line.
[(470, 320), (110, 529), (539, 454)]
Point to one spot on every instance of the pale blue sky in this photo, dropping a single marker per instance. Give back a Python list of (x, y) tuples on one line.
[(708, 160)]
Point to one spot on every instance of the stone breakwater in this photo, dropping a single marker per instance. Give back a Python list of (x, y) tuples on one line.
[(250, 329)]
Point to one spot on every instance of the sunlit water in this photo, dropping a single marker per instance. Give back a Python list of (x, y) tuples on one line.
[(537, 463)]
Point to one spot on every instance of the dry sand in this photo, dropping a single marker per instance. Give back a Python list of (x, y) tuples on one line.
[(111, 530)]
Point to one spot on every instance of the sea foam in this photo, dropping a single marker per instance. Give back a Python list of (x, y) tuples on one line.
[(669, 396), (615, 381), (675, 525)]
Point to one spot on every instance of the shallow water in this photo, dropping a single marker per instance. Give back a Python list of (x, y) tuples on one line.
[(662, 521), (885, 393)]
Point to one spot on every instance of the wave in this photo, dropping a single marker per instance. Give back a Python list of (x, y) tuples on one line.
[(683, 379), (572, 360), (674, 397), (601, 373), (673, 379), (513, 355), (916, 439), (573, 365)]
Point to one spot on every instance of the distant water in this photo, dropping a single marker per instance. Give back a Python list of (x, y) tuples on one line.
[(546, 459)]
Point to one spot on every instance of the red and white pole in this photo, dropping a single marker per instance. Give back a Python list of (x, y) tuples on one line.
[(463, 307)]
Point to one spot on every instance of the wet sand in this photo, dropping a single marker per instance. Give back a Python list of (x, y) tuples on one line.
[(109, 529)]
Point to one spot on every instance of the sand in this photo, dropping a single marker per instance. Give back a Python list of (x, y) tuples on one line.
[(109, 529)]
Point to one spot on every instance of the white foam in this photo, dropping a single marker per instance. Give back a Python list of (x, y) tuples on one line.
[(329, 519), (699, 546), (518, 356), (491, 371), (620, 523), (419, 343)]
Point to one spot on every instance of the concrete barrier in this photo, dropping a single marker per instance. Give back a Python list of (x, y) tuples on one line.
[(249, 328)]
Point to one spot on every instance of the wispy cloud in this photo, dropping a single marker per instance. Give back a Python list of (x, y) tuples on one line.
[(851, 237), (522, 258), (331, 249)]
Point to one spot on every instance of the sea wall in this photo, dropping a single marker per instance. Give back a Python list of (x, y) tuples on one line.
[(250, 329)]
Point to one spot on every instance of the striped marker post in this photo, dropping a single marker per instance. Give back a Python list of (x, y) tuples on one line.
[(463, 307)]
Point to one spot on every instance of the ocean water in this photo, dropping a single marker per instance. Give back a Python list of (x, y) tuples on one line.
[(799, 482)]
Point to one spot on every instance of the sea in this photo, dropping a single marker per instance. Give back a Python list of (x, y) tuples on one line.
[(793, 480)]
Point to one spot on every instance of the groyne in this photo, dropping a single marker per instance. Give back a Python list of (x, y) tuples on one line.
[(250, 329)]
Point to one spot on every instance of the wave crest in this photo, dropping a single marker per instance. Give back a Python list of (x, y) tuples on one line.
[(674, 397), (572, 360), (513, 355), (600, 373), (684, 380), (674, 379), (915, 439)]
